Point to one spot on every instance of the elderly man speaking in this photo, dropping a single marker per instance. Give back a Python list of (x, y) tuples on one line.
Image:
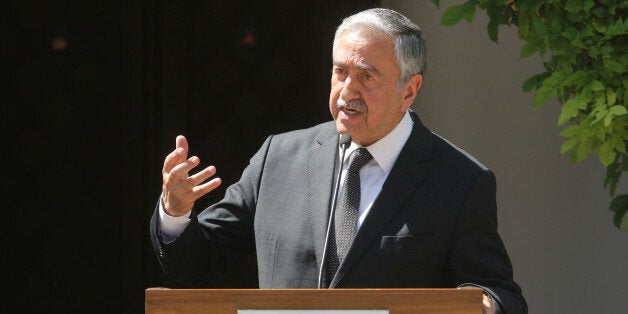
[(372, 199)]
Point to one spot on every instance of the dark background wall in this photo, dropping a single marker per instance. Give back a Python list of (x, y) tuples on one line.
[(93, 95)]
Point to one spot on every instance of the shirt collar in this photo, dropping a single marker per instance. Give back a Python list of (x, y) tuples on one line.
[(386, 150)]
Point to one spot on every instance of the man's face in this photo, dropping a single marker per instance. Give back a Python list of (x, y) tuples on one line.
[(365, 72)]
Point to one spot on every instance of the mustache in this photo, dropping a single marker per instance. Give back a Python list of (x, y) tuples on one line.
[(354, 104)]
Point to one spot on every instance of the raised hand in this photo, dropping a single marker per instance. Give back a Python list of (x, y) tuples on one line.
[(179, 189)]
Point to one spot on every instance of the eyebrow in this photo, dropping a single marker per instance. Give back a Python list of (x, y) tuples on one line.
[(361, 66)]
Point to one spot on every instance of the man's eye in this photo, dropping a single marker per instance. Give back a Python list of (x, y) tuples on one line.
[(339, 71), (367, 77)]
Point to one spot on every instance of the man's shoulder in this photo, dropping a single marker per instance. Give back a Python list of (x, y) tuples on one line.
[(319, 132), (440, 150), (450, 151), (292, 145)]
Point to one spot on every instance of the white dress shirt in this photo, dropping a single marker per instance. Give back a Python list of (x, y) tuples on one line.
[(372, 176)]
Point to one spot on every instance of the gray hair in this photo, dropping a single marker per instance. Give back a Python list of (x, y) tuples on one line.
[(410, 48)]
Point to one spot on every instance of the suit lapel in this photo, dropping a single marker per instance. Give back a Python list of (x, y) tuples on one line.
[(405, 177), (321, 162)]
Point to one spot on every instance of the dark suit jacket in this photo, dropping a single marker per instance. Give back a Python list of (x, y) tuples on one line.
[(434, 223)]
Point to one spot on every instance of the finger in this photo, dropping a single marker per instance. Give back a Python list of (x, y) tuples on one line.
[(182, 142), (181, 170), (206, 187), (177, 155), (203, 175), (173, 159)]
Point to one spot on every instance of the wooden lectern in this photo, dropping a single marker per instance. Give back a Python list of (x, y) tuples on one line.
[(395, 301)]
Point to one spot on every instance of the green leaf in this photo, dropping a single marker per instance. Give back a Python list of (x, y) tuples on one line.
[(599, 115), (436, 2), (571, 33), (617, 29), (493, 30), (573, 6), (611, 98), (453, 15), (606, 153), (524, 24), (596, 85), (530, 84), (614, 111), (620, 206), (577, 79), (565, 115), (608, 119), (584, 150), (570, 108), (555, 79), (571, 130), (543, 94), (618, 110), (606, 50), (599, 26), (613, 66), (528, 49), (613, 172), (600, 12), (600, 134), (568, 145), (586, 132), (469, 13), (618, 143), (534, 81)]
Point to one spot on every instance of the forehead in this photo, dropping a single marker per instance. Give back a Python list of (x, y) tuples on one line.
[(366, 48)]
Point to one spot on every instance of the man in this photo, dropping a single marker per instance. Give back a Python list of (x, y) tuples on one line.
[(424, 211)]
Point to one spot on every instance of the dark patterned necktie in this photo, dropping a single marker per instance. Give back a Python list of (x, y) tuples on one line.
[(344, 228)]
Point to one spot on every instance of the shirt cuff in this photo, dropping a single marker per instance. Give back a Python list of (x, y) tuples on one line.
[(171, 227)]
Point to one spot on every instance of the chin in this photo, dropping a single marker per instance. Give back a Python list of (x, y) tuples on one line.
[(341, 128)]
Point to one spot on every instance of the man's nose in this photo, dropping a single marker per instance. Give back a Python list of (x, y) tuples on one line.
[(350, 89)]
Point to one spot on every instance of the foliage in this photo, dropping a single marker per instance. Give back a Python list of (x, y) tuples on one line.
[(583, 45)]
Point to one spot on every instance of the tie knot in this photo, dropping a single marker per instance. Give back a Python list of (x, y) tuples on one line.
[(358, 159)]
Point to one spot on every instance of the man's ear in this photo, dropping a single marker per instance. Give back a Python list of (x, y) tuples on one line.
[(410, 91)]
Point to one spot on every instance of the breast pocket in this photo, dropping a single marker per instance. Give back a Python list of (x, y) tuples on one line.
[(407, 243)]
